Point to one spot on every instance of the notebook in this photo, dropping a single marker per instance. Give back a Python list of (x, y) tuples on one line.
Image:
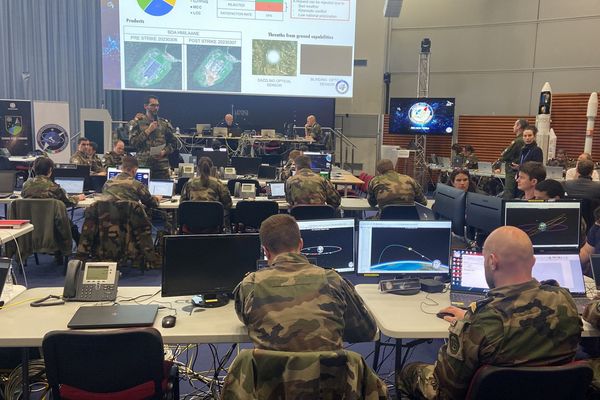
[(70, 185), (117, 316)]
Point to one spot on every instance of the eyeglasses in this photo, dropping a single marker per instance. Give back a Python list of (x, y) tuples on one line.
[(154, 105)]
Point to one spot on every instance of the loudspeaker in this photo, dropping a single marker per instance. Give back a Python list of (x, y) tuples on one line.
[(392, 8)]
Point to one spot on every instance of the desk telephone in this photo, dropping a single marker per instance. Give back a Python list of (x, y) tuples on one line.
[(92, 281)]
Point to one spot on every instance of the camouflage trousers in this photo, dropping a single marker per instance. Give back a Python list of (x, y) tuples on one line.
[(416, 381)]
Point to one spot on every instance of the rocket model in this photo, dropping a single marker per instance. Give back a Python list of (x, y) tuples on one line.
[(542, 122), (592, 111)]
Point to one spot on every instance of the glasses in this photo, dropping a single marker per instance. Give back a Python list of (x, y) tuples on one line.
[(154, 105)]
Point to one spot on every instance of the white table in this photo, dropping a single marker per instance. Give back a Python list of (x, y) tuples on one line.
[(6, 235), (9, 293)]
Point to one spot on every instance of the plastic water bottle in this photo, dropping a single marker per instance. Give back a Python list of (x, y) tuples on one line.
[(8, 284), (177, 132)]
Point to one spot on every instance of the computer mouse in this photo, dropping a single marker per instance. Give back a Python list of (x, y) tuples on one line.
[(168, 321), (441, 314), (13, 196), (173, 200)]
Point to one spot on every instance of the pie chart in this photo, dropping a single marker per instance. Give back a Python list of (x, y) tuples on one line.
[(157, 8)]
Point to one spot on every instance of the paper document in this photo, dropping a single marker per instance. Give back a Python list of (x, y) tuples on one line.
[(155, 150)]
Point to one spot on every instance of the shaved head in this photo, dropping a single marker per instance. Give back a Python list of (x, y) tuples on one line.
[(508, 257)]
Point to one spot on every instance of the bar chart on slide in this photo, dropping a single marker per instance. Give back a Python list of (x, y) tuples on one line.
[(251, 9)]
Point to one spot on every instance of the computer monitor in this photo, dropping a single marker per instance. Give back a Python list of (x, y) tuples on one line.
[(142, 175), (267, 172), (450, 204), (321, 161), (70, 185), (414, 248), (220, 131), (484, 212), (210, 265), (73, 171), (218, 158), (162, 188), (7, 181), (276, 190), (201, 128), (549, 224), (331, 242), (246, 165)]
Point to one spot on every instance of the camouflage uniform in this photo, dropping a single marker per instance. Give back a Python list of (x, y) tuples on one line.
[(526, 325), (511, 155), (316, 132), (161, 136), (96, 164), (80, 158), (592, 315), (296, 306), (393, 188), (112, 159), (124, 187), (471, 161), (286, 171), (41, 187), (306, 187)]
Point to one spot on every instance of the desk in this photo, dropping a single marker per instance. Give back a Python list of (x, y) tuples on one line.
[(343, 177), (10, 293), (6, 235)]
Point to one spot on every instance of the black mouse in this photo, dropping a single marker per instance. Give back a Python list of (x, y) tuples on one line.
[(443, 314), (173, 200), (168, 321)]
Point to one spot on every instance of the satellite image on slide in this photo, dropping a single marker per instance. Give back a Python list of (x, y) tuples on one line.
[(213, 68), (152, 66), (274, 57)]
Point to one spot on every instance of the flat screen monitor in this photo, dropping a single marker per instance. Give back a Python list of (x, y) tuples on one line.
[(71, 171), (450, 204), (218, 158), (207, 264), (162, 188), (418, 248), (70, 185), (484, 212), (549, 224), (7, 181), (425, 116), (320, 161), (142, 175), (246, 165), (331, 242)]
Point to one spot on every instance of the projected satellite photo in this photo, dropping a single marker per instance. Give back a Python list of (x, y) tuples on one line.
[(213, 68), (153, 66), (274, 57), (333, 248)]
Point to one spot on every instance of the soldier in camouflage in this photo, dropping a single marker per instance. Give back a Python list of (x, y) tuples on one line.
[(511, 155), (294, 305), (592, 315), (390, 187), (81, 156), (312, 129), (95, 162), (290, 165), (149, 132), (306, 187), (125, 187), (520, 323), (114, 158)]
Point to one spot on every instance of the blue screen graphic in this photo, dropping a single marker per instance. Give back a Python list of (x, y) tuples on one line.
[(427, 116)]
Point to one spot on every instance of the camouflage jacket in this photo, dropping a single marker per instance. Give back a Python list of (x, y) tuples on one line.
[(394, 188), (80, 158), (41, 187), (471, 161), (264, 374), (214, 191), (518, 325), (161, 136), (306, 187), (316, 132), (112, 159), (286, 171), (296, 306), (96, 164), (124, 187), (513, 151), (592, 315)]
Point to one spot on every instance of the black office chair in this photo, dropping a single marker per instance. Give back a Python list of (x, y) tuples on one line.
[(400, 212), (251, 214), (115, 364), (312, 211), (231, 185), (200, 217), (570, 381)]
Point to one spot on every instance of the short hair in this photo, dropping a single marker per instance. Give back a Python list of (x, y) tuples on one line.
[(531, 128), (294, 154), (42, 165), (129, 163), (94, 145), (302, 162), (551, 187), (586, 156), (150, 98), (384, 165), (534, 169), (523, 123), (458, 171), (117, 142), (82, 139), (279, 233), (585, 168)]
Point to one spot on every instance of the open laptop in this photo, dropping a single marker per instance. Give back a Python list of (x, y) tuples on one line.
[(219, 131), (267, 133), (267, 172), (7, 183), (276, 190), (555, 173), (117, 316), (162, 188), (484, 167), (70, 185), (458, 162), (444, 161), (200, 128)]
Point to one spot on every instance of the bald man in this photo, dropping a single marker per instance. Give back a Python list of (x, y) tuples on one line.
[(312, 129), (229, 123), (520, 323), (572, 173)]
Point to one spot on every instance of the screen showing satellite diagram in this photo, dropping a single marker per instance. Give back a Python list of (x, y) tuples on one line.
[(330, 242)]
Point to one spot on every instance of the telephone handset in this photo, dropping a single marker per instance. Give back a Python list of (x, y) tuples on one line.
[(92, 281)]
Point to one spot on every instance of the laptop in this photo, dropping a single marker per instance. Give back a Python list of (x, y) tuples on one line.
[(70, 185), (444, 161), (200, 128), (219, 131), (162, 188), (484, 167), (276, 190), (458, 162), (267, 172), (117, 316), (7, 183), (267, 133), (142, 175), (555, 173)]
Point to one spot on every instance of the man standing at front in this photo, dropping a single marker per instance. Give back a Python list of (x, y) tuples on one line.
[(294, 305), (153, 140), (520, 323), (511, 155)]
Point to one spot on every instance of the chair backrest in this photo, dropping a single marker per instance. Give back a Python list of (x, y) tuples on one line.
[(312, 211), (301, 375), (563, 382), (400, 212), (129, 361), (253, 213), (231, 185), (200, 217)]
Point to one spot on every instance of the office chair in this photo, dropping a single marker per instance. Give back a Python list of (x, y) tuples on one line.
[(231, 185), (569, 381), (252, 213), (312, 211), (114, 364), (200, 217), (407, 212)]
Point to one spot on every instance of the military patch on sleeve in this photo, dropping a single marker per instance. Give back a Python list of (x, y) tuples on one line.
[(455, 347)]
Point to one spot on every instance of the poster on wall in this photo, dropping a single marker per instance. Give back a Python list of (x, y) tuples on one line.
[(51, 123), (15, 126)]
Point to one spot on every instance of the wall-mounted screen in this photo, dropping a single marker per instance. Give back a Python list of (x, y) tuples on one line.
[(426, 116)]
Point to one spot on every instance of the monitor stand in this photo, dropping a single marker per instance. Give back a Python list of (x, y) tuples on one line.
[(210, 300)]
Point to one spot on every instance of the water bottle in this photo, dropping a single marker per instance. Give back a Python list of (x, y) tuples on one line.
[(9, 283), (177, 131)]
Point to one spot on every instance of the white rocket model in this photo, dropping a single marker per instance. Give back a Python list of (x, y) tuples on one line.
[(592, 111), (542, 122)]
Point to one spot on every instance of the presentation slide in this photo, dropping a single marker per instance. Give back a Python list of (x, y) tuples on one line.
[(264, 47)]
